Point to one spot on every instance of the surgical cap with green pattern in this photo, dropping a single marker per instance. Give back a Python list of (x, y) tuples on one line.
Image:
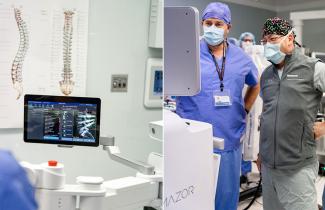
[(277, 26)]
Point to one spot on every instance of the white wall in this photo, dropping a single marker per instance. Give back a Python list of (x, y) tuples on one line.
[(313, 32), (118, 34)]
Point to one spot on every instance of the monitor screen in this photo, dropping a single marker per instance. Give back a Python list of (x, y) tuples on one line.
[(62, 120)]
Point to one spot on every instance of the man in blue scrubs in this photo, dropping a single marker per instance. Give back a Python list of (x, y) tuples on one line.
[(225, 68), (16, 193)]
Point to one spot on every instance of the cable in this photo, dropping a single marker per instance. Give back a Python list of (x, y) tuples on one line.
[(255, 195), (248, 183), (259, 202)]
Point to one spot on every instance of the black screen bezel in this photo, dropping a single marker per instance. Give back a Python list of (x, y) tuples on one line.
[(70, 99)]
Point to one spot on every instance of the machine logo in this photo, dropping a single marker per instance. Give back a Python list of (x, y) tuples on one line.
[(179, 196)]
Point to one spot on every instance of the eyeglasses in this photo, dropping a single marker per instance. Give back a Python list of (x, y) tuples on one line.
[(247, 40), (271, 39)]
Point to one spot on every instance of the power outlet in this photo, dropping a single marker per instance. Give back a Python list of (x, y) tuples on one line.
[(119, 83)]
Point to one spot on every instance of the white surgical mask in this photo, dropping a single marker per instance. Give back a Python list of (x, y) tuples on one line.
[(213, 35), (246, 46)]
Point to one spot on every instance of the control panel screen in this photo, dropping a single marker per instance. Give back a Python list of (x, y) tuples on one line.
[(62, 120), (158, 83)]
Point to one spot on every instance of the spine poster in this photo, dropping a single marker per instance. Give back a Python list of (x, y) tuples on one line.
[(43, 50)]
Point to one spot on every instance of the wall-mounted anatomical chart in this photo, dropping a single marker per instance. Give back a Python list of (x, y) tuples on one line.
[(43, 50), (67, 84), (16, 70)]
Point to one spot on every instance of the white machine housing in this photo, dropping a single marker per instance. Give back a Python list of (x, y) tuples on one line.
[(182, 75), (190, 165), (191, 168), (156, 130), (156, 24), (127, 193)]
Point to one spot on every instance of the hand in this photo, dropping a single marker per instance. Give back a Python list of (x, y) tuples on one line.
[(319, 129), (258, 162)]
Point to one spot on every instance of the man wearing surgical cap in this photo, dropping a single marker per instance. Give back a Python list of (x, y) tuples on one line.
[(225, 69), (246, 40), (291, 90)]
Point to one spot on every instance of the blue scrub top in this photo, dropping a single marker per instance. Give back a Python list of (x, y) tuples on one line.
[(16, 193), (228, 122)]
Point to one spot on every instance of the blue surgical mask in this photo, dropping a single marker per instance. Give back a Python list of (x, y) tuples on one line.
[(213, 35), (272, 52)]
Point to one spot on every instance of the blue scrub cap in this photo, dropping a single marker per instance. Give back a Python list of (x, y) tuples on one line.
[(233, 41), (217, 10), (243, 35)]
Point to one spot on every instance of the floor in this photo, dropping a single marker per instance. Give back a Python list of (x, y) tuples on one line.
[(258, 204)]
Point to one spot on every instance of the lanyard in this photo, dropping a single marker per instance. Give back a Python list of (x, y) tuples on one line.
[(221, 72)]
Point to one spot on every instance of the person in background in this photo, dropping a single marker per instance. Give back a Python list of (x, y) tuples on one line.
[(233, 41), (246, 40)]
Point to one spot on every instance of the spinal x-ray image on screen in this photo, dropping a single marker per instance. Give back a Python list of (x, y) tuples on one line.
[(62, 120)]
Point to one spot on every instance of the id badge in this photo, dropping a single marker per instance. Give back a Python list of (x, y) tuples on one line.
[(222, 98)]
